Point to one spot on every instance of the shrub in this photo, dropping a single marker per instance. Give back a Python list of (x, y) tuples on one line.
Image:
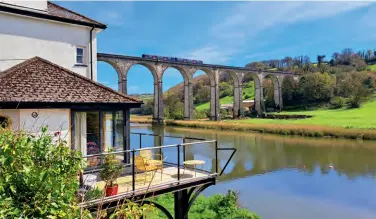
[(200, 114), (213, 207), (337, 102), (38, 177)]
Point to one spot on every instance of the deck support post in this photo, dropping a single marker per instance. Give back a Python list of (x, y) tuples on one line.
[(181, 204)]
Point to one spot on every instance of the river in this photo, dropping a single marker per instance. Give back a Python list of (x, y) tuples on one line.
[(286, 177)]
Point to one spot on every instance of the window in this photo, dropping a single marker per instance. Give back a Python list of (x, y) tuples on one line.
[(4, 122), (97, 131), (80, 55)]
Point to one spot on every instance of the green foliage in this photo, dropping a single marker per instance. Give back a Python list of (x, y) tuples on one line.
[(225, 89), (174, 106), (213, 207), (317, 87), (337, 102), (268, 90), (111, 169), (92, 194), (202, 114), (38, 177), (131, 210)]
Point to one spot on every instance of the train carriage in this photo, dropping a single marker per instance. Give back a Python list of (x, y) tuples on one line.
[(171, 59)]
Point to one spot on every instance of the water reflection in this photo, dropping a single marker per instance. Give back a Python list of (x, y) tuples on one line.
[(325, 178), (261, 154)]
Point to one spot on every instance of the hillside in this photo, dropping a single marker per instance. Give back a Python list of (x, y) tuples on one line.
[(248, 91)]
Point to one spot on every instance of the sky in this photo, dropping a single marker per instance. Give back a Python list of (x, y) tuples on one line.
[(226, 33)]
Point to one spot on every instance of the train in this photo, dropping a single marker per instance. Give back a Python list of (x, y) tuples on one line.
[(171, 59)]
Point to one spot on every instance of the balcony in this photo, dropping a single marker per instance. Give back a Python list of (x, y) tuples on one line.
[(172, 171)]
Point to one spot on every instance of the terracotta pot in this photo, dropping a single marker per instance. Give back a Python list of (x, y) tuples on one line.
[(110, 191)]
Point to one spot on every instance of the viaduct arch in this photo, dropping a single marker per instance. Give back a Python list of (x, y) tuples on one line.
[(122, 64)]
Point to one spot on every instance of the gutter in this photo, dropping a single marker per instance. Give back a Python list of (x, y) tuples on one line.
[(91, 52)]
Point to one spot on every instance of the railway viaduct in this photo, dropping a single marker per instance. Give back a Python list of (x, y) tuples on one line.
[(122, 64)]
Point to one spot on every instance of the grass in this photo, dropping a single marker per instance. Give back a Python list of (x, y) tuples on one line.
[(372, 67), (340, 123), (363, 118)]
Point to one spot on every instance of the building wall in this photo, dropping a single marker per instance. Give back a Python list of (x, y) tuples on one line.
[(22, 38), (57, 120), (36, 5)]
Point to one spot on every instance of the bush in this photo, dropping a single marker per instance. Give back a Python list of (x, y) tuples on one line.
[(38, 177), (201, 114), (213, 207), (337, 102), (355, 101)]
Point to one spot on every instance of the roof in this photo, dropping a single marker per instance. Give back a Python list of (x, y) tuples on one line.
[(54, 12), (39, 81)]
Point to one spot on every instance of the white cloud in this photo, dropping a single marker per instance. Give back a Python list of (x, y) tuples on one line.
[(246, 20), (250, 18), (211, 54)]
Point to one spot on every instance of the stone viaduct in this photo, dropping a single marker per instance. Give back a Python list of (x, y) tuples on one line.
[(122, 64)]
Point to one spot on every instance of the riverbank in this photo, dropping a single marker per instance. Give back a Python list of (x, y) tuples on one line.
[(281, 129)]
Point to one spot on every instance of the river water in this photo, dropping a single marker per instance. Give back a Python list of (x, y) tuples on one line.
[(285, 177)]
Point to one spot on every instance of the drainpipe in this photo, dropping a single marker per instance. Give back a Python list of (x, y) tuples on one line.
[(91, 53)]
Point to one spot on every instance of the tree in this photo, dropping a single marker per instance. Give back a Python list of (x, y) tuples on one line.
[(320, 59), (318, 87), (225, 90), (369, 54), (256, 65)]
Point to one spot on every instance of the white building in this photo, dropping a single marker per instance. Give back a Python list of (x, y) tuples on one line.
[(47, 58), (44, 29)]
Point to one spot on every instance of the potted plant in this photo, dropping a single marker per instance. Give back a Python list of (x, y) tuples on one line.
[(111, 170)]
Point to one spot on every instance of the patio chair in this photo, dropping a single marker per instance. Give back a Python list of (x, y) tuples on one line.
[(149, 158), (142, 165), (148, 155)]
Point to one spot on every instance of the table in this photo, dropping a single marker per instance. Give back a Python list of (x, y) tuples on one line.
[(194, 163)]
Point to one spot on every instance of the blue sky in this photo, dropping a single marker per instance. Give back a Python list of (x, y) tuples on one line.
[(229, 33)]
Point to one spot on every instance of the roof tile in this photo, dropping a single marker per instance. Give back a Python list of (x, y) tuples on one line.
[(38, 80)]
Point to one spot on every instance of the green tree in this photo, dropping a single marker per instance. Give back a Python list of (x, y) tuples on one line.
[(317, 87), (225, 89), (38, 177)]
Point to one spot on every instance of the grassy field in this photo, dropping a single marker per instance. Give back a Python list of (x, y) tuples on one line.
[(340, 123), (372, 67), (363, 117)]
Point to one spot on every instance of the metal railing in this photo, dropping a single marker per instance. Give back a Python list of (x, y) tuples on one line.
[(126, 154), (133, 154)]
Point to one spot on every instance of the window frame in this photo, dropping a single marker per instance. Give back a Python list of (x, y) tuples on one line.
[(83, 55)]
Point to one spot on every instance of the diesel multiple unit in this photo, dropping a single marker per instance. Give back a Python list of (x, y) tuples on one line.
[(172, 59)]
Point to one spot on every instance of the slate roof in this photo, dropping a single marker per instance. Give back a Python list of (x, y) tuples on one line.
[(59, 11), (38, 80), (54, 12)]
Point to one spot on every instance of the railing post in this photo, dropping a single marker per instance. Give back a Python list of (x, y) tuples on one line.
[(160, 144), (133, 171), (184, 148), (216, 156), (140, 140), (178, 162)]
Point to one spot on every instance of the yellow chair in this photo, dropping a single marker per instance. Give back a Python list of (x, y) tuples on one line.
[(143, 165)]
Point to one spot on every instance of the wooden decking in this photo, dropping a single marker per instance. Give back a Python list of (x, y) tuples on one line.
[(155, 183)]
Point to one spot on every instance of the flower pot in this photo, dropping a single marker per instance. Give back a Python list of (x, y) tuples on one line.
[(110, 191)]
